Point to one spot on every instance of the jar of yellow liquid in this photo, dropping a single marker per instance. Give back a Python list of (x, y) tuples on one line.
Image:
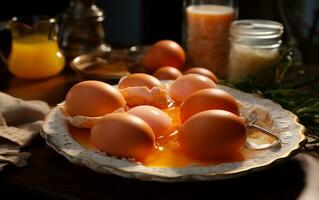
[(35, 52)]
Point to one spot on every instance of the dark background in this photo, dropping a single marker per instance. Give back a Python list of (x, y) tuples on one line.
[(130, 22)]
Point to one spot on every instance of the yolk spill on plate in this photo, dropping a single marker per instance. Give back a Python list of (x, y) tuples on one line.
[(167, 153)]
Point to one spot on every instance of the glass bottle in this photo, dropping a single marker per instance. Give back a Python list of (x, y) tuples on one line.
[(206, 31), (254, 47)]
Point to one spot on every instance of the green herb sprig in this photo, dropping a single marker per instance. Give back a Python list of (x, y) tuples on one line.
[(287, 89)]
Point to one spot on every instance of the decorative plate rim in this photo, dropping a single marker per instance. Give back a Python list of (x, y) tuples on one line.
[(55, 132)]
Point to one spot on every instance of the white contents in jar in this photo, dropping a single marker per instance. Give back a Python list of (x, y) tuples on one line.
[(254, 47), (246, 60)]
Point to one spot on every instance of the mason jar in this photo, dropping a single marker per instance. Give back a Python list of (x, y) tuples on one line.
[(254, 47)]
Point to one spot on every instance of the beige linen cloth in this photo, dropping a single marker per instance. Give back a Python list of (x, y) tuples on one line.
[(20, 121)]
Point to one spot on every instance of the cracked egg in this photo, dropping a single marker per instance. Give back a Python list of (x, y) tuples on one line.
[(165, 151), (110, 115)]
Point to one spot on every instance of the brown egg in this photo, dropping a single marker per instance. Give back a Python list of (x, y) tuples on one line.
[(164, 53), (212, 134), (123, 135), (158, 120), (139, 79), (93, 99), (167, 73), (204, 72), (208, 99), (186, 85)]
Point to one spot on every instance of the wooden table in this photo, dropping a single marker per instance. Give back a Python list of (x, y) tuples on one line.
[(51, 176)]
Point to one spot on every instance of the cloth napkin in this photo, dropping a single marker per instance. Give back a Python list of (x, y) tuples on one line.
[(20, 121)]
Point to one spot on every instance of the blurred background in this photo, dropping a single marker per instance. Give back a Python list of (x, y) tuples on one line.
[(131, 22)]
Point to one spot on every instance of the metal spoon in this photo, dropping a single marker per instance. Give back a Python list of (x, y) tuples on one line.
[(251, 125)]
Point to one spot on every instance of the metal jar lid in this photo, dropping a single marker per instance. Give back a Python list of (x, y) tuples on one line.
[(265, 33)]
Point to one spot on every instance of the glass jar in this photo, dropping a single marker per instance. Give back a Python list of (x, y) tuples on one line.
[(206, 31), (81, 29), (254, 47)]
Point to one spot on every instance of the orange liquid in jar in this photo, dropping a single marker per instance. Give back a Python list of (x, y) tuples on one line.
[(34, 57), (207, 36), (167, 154)]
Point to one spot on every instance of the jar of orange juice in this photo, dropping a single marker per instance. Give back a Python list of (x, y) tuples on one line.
[(35, 52), (207, 24)]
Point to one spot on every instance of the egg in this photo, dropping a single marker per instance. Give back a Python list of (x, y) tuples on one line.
[(212, 134), (208, 99), (138, 80), (186, 85), (204, 72), (167, 73), (93, 99), (123, 135), (158, 120), (164, 53)]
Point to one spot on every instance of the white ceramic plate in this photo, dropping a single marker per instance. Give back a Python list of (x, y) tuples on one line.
[(56, 134)]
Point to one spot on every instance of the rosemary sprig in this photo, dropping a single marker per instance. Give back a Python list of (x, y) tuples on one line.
[(287, 89)]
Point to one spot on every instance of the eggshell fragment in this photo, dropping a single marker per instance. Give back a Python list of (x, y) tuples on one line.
[(123, 135), (208, 99), (158, 120), (212, 134), (93, 99), (186, 85), (136, 96), (82, 121)]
